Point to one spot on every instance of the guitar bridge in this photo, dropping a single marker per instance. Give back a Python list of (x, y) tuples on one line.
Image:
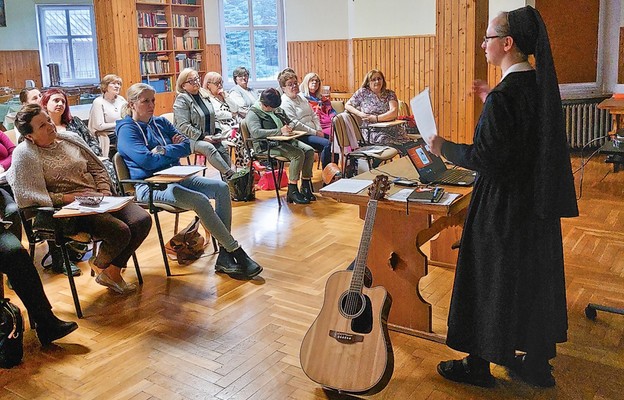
[(344, 337)]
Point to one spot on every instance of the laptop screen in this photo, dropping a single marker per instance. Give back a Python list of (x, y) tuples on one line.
[(426, 164)]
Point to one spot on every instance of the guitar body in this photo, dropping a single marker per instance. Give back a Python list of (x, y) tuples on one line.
[(349, 354)]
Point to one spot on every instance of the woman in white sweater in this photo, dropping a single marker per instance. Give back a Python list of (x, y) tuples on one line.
[(303, 117), (105, 111)]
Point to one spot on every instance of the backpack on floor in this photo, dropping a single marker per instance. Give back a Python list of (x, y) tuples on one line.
[(11, 334), (242, 185)]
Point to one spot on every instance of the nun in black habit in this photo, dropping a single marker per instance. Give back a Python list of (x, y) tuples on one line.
[(509, 304)]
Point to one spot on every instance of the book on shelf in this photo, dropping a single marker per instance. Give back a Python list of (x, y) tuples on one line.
[(187, 2), (160, 85)]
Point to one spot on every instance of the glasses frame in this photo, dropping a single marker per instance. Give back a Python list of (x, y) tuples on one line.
[(377, 79), (193, 81), (487, 38), (216, 83)]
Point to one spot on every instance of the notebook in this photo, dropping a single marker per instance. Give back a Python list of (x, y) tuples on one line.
[(432, 169)]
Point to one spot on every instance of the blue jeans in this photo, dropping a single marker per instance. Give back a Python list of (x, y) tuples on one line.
[(194, 193), (321, 144)]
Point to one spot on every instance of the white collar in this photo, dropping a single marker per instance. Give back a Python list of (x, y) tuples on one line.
[(518, 67)]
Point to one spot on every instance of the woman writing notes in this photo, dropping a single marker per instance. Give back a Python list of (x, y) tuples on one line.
[(150, 144)]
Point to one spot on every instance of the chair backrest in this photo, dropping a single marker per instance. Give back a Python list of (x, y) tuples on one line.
[(12, 134), (338, 105), (346, 127), (404, 109), (126, 189), (168, 116)]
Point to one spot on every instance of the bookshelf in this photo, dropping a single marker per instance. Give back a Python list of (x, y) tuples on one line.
[(170, 37)]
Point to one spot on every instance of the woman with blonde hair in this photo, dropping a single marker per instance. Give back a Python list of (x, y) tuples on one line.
[(105, 111), (321, 104), (150, 144), (194, 116)]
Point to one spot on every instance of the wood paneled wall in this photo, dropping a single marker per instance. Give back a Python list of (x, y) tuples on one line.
[(17, 66), (460, 60), (330, 59), (118, 48), (212, 54)]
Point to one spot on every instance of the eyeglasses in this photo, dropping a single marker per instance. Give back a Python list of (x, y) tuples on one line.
[(292, 85), (246, 77), (219, 83), (486, 38), (377, 79), (193, 81)]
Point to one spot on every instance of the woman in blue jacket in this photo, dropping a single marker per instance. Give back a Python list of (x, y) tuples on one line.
[(150, 144)]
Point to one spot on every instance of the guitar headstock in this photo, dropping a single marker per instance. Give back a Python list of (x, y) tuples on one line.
[(378, 189)]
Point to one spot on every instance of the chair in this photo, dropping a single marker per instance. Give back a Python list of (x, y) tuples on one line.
[(351, 144), (404, 109), (54, 233), (126, 188), (12, 134), (338, 105), (273, 161)]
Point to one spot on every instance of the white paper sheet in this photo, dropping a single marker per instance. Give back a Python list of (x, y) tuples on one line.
[(181, 170), (347, 186), (108, 203), (423, 115)]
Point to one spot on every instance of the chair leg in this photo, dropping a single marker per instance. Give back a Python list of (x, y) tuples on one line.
[(162, 244), (215, 246), (176, 224), (276, 180), (137, 269), (31, 250), (70, 277)]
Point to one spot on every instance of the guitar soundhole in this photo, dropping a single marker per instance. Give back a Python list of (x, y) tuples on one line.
[(352, 304)]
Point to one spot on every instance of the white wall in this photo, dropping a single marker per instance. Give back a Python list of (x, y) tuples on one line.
[(374, 18), (21, 30), (316, 20)]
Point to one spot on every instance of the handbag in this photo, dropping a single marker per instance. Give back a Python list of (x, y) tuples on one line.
[(266, 181), (187, 245), (11, 334), (242, 186)]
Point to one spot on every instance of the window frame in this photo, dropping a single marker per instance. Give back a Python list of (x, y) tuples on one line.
[(42, 38), (282, 58)]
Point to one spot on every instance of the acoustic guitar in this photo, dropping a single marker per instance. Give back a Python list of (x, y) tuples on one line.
[(348, 348)]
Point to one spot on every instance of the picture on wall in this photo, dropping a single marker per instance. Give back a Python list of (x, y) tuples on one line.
[(2, 14)]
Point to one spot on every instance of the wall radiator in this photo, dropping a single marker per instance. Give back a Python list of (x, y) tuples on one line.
[(586, 122)]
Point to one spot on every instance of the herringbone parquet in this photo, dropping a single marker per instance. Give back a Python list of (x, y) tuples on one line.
[(199, 335)]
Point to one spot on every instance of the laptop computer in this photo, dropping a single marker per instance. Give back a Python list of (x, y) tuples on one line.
[(432, 169)]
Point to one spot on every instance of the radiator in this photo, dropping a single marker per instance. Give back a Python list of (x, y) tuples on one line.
[(586, 122)]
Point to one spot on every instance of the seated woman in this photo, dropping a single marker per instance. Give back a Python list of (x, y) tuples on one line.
[(303, 117), (226, 113), (54, 101), (194, 117), (149, 144), (30, 96), (373, 102), (6, 152), (321, 104), (105, 111), (51, 168), (19, 268), (265, 118), (241, 93)]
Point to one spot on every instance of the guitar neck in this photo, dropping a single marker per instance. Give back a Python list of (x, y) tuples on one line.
[(357, 281)]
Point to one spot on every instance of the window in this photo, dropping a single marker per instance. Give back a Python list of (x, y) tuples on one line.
[(67, 37), (253, 37)]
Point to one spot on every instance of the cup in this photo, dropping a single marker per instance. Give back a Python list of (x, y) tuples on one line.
[(325, 90)]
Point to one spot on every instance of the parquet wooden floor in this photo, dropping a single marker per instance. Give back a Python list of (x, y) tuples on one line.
[(199, 335)]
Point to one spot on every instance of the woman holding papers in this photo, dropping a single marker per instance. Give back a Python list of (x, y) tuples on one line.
[(194, 117), (303, 117), (150, 144), (265, 119), (50, 169), (373, 102)]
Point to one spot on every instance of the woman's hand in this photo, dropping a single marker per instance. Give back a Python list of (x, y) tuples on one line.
[(286, 130), (370, 118), (435, 143), (178, 138), (480, 88), (1, 168), (320, 133)]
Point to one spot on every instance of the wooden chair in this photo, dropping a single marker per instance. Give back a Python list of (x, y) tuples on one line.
[(273, 160), (12, 134), (404, 109), (338, 105), (346, 132), (54, 233), (126, 188)]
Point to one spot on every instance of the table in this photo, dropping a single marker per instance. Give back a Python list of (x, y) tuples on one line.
[(615, 155), (395, 257), (616, 109)]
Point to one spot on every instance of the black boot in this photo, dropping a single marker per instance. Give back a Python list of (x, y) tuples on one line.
[(58, 266), (307, 190), (227, 264), (294, 196), (50, 328), (252, 268)]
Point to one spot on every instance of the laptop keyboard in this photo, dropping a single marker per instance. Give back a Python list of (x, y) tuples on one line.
[(455, 176)]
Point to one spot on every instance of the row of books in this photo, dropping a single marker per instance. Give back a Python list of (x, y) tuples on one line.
[(155, 63), (159, 84), (153, 42), (184, 21), (190, 2), (188, 61), (152, 19), (186, 43)]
